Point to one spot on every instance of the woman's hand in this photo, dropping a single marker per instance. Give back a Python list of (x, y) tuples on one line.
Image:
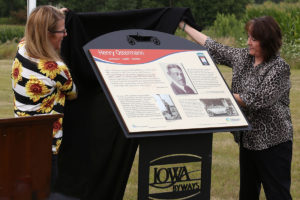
[(181, 24), (239, 100), (64, 10)]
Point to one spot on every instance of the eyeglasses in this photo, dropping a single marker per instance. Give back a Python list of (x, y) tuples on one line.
[(62, 31)]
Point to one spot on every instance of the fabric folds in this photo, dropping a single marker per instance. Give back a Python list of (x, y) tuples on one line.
[(95, 157)]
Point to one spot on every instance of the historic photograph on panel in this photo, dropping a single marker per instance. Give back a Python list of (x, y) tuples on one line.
[(202, 58), (167, 107), (179, 80), (219, 107)]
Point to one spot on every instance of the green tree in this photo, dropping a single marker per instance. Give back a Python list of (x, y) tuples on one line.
[(76, 5), (151, 3), (114, 5), (207, 10), (12, 5), (204, 11), (47, 2), (84, 6), (276, 1)]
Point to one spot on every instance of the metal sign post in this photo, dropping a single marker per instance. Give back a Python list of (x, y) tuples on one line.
[(31, 4)]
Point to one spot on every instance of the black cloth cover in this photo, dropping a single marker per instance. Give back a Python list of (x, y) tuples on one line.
[(95, 157)]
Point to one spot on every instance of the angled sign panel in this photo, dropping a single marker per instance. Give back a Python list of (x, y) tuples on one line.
[(160, 84)]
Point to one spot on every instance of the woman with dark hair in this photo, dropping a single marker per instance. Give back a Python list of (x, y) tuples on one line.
[(261, 86)]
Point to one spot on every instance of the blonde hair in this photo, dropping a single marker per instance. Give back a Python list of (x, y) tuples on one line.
[(42, 20)]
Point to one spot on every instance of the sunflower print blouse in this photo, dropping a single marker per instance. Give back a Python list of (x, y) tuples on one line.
[(264, 89), (41, 87)]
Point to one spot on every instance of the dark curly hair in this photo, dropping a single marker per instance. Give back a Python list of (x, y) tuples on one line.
[(267, 31)]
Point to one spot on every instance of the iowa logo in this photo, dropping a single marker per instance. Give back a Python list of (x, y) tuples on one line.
[(175, 176)]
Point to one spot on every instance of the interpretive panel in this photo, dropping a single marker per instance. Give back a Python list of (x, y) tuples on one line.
[(167, 89)]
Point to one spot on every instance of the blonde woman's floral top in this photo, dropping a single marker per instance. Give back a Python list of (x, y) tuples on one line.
[(41, 87)]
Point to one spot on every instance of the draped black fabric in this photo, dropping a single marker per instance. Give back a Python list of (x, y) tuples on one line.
[(95, 157)]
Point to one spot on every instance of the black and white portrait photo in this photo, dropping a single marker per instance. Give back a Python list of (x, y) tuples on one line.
[(180, 83)]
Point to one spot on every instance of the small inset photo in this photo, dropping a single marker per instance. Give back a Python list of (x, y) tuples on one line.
[(219, 107), (167, 107), (202, 58), (179, 80)]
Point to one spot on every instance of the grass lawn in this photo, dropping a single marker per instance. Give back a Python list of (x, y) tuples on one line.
[(6, 106), (225, 167)]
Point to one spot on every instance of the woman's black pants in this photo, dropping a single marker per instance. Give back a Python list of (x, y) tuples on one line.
[(271, 168)]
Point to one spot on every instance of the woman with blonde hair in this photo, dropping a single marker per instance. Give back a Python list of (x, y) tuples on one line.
[(41, 81)]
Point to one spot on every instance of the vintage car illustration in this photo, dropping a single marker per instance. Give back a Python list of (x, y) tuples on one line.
[(132, 39), (218, 110)]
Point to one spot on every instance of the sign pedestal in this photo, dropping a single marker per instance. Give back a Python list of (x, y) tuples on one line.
[(137, 70), (175, 167)]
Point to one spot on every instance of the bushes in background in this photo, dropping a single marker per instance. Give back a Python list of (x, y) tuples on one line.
[(286, 14), (288, 17), (9, 36), (8, 50), (11, 32)]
